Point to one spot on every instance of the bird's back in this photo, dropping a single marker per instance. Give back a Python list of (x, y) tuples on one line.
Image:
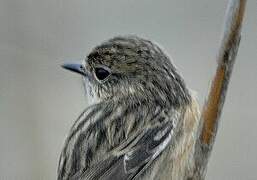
[(106, 134)]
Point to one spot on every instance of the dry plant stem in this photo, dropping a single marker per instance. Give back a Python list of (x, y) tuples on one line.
[(226, 59), (212, 109)]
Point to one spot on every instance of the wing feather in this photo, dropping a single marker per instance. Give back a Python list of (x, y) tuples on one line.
[(135, 159)]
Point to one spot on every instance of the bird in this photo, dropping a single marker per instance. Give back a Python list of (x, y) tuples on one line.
[(142, 120)]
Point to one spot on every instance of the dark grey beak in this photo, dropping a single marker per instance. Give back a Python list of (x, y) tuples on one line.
[(77, 68)]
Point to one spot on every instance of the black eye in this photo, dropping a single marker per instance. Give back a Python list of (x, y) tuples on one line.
[(101, 73)]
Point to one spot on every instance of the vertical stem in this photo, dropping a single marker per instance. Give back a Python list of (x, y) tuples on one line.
[(226, 58), (212, 109)]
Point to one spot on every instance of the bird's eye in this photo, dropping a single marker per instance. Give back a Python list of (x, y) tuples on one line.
[(101, 73)]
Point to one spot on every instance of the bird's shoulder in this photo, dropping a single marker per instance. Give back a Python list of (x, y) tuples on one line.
[(106, 135)]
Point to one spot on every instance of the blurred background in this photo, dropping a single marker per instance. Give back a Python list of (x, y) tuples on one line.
[(39, 101)]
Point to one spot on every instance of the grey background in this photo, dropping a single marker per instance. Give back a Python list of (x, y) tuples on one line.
[(39, 101)]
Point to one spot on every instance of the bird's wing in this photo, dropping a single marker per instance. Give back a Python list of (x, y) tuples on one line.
[(132, 157)]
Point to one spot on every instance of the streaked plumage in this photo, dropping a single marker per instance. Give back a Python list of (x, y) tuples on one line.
[(143, 125)]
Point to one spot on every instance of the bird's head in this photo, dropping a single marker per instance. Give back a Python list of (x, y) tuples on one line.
[(133, 70)]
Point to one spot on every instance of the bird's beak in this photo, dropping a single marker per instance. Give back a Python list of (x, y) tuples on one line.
[(77, 68)]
